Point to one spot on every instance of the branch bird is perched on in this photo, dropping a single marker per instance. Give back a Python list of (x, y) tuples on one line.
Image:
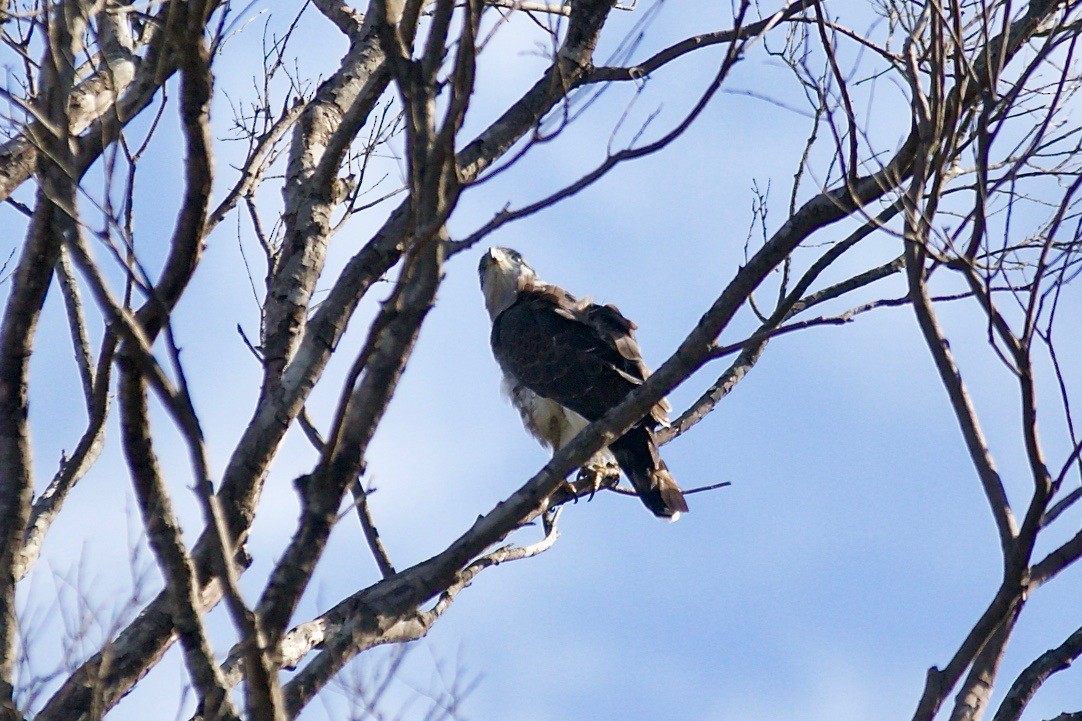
[(566, 362)]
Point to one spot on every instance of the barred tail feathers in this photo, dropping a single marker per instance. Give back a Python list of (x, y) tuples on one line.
[(638, 456)]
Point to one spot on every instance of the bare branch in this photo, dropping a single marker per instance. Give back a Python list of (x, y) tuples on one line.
[(371, 535), (72, 469), (73, 303), (302, 640), (979, 453), (354, 636), (792, 304), (348, 20), (976, 690), (22, 310), (164, 534), (666, 56), (1030, 680)]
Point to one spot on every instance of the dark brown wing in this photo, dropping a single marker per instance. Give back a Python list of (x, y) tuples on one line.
[(557, 352), (619, 333)]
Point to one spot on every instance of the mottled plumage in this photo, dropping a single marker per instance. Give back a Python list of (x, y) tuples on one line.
[(566, 362)]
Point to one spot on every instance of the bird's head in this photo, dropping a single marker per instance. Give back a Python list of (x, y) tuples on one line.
[(503, 275)]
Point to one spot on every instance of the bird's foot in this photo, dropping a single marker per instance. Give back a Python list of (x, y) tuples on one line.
[(564, 492), (597, 476)]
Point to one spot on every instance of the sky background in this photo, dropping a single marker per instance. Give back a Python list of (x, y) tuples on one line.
[(852, 551)]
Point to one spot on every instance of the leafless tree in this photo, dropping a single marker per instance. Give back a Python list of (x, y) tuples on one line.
[(977, 187)]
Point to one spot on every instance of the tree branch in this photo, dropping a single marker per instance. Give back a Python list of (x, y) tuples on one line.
[(164, 535), (1030, 680)]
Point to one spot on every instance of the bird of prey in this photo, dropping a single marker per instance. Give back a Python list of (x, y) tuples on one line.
[(566, 362)]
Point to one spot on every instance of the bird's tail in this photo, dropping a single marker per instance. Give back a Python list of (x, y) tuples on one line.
[(638, 456)]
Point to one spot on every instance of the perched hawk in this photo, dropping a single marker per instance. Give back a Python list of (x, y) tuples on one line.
[(565, 363)]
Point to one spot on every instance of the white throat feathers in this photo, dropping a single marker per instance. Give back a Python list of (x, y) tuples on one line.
[(503, 275)]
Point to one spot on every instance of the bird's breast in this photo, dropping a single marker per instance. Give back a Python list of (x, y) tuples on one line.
[(548, 421)]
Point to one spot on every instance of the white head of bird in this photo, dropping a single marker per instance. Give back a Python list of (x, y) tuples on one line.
[(503, 274)]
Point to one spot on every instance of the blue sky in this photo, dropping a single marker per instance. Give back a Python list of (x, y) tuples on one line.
[(853, 550)]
